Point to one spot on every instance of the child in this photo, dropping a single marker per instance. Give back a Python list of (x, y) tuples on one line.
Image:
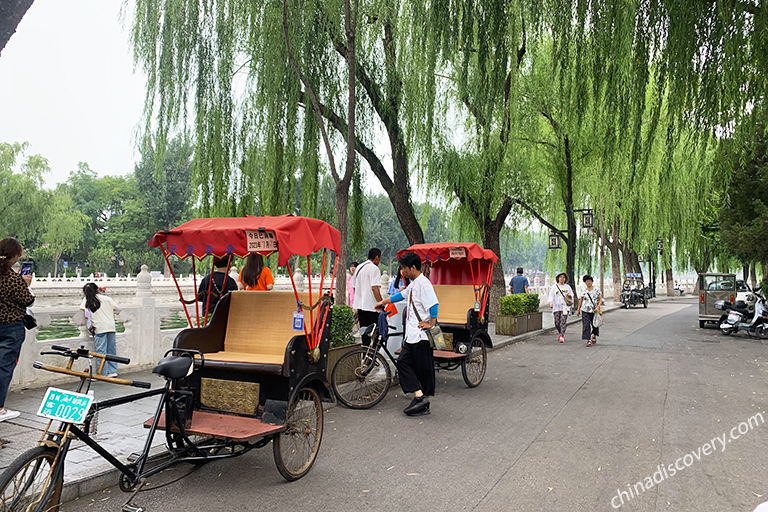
[(100, 320)]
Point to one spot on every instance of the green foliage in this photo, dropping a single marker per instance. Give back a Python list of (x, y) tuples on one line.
[(519, 304), (22, 200), (342, 323), (64, 229)]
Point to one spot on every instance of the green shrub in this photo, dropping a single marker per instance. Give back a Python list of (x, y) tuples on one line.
[(531, 302), (519, 304), (342, 322)]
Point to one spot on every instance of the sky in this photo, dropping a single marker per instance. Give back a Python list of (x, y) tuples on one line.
[(67, 87)]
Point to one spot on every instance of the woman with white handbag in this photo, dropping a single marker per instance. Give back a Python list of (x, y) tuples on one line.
[(560, 300), (589, 308)]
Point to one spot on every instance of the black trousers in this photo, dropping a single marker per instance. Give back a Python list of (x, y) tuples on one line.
[(586, 326), (416, 367), (367, 318)]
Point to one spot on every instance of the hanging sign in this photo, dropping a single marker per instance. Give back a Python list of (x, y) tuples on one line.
[(261, 241), (588, 220), (298, 321), (458, 252), (554, 241), (640, 258)]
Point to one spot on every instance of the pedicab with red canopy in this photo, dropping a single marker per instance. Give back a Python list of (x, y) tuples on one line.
[(259, 372), (461, 274)]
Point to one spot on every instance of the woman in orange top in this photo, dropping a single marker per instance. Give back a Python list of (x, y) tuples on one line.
[(254, 275)]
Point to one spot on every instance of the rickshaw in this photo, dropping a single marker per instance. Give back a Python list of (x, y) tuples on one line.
[(461, 275), (715, 287), (634, 291), (254, 375)]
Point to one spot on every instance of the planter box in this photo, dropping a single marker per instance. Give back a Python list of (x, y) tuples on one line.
[(336, 353), (509, 325), (534, 321)]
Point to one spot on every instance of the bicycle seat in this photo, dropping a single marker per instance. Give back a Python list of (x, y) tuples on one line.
[(174, 367), (366, 331)]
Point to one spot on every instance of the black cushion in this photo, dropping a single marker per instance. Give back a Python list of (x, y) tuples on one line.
[(173, 367)]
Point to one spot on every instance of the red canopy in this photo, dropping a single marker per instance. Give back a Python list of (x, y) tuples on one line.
[(286, 234), (446, 251)]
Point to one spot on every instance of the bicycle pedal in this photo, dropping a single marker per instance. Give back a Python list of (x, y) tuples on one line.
[(133, 457), (133, 508)]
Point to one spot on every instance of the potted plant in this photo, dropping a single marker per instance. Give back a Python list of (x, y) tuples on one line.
[(532, 310), (512, 319), (342, 339)]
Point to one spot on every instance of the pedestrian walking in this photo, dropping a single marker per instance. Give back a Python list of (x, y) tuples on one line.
[(100, 320), (590, 302), (560, 300), (416, 363), (255, 275), (15, 298), (351, 285), (518, 283), (367, 283)]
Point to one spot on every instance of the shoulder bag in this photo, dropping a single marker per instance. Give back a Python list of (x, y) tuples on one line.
[(29, 321), (597, 320), (567, 298), (434, 334)]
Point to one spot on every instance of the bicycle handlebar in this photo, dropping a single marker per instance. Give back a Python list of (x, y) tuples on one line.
[(83, 352), (87, 375)]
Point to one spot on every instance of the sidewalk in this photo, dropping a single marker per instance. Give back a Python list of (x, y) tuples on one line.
[(121, 431)]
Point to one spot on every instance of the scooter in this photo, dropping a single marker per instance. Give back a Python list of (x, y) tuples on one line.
[(738, 313)]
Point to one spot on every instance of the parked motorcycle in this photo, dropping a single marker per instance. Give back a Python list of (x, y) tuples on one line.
[(736, 316)]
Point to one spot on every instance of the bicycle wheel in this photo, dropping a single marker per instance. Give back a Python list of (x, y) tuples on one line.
[(295, 448), (28, 485), (359, 391), (473, 366)]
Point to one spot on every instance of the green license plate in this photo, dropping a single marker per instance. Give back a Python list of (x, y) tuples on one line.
[(66, 406)]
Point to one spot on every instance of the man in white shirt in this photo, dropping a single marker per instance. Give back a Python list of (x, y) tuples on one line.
[(367, 283), (416, 363)]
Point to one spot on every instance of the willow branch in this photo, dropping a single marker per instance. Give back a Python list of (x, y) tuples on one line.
[(541, 219), (311, 94), (363, 150)]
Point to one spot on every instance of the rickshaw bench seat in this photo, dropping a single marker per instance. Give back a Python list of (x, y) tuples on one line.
[(455, 302), (259, 328)]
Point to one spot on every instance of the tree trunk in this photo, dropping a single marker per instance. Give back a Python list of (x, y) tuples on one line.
[(11, 13), (753, 275), (491, 240), (670, 283), (613, 248), (342, 204), (570, 257), (601, 241)]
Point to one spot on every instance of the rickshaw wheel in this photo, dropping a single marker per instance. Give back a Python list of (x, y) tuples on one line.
[(355, 390), (295, 448), (473, 366)]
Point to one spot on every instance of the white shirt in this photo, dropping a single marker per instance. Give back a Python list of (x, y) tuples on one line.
[(366, 277), (103, 319), (420, 295), (556, 298)]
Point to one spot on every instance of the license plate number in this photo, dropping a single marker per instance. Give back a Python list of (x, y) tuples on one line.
[(66, 406)]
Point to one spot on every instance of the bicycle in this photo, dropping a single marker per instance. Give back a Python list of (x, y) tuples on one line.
[(362, 377)]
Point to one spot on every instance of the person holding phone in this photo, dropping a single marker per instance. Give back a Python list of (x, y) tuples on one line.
[(15, 298)]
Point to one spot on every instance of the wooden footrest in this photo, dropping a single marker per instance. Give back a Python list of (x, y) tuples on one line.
[(443, 354), (224, 426)]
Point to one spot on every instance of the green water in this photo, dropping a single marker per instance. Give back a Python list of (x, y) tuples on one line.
[(61, 328)]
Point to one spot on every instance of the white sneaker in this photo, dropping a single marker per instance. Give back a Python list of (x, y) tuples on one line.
[(111, 375), (7, 414)]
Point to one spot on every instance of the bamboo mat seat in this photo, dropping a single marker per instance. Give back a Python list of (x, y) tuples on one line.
[(259, 327), (455, 301)]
